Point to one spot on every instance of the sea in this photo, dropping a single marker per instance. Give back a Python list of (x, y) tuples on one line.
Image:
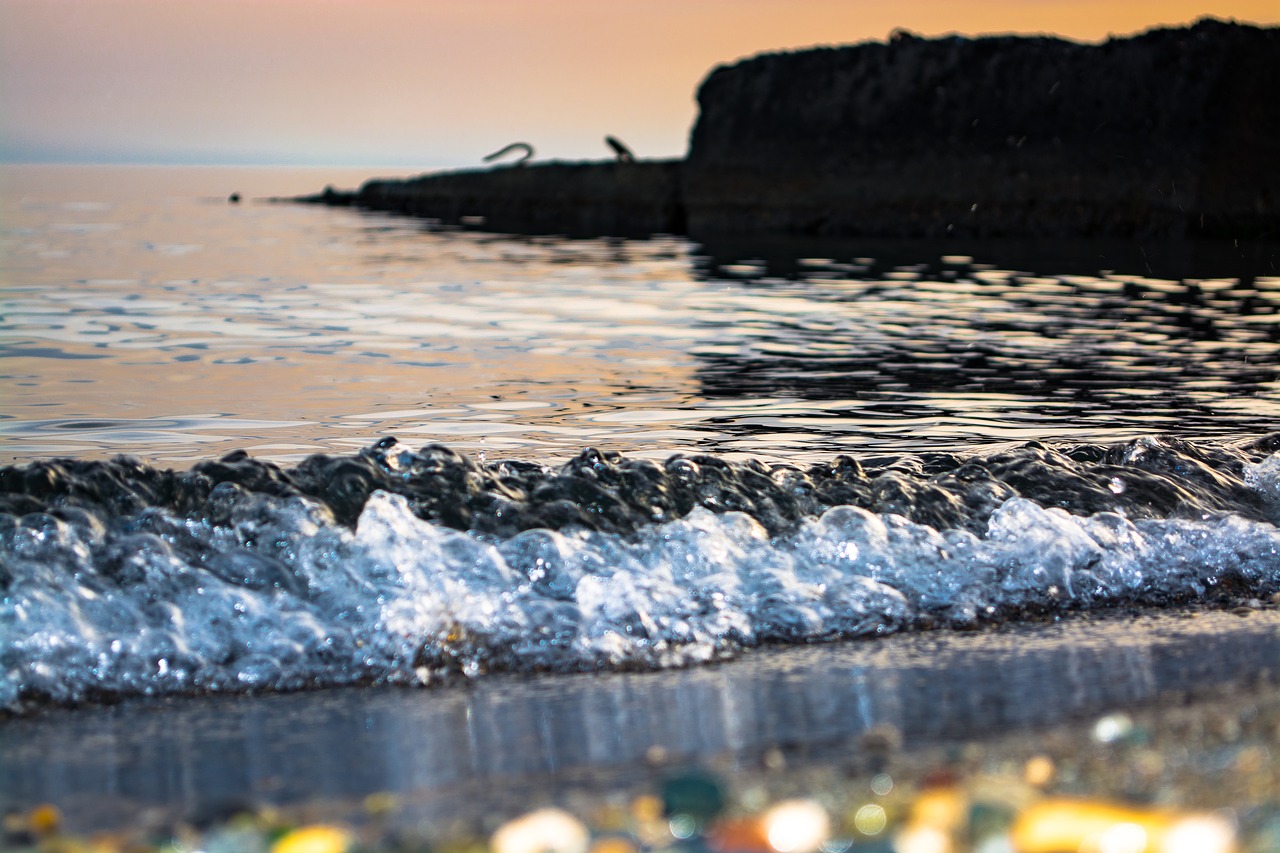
[(254, 450)]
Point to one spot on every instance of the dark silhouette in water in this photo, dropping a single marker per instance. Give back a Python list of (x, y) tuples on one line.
[(620, 150), (515, 146)]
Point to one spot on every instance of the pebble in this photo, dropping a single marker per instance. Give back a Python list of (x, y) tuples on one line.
[(1168, 781), (542, 831)]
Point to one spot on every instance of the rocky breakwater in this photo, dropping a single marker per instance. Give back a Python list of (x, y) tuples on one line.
[(1169, 133), (587, 199)]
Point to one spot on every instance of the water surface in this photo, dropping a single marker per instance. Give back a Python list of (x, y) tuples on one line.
[(142, 313), (610, 456)]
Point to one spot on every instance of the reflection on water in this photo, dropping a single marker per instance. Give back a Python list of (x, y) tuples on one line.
[(995, 351), (510, 743), (152, 319)]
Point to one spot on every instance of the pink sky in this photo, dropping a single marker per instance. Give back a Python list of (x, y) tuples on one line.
[(428, 83)]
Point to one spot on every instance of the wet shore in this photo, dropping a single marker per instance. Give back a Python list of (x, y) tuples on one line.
[(1174, 711)]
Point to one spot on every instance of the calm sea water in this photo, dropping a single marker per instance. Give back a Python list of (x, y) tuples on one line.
[(143, 314), (612, 455)]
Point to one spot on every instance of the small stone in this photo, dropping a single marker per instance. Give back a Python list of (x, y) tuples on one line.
[(44, 820), (1039, 771), (542, 831), (318, 838), (381, 804), (773, 759), (613, 844), (796, 826), (1113, 728), (882, 739), (697, 795), (1055, 825)]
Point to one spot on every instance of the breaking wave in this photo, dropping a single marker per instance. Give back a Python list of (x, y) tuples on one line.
[(409, 566)]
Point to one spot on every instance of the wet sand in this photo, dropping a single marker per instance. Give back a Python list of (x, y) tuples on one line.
[(775, 722)]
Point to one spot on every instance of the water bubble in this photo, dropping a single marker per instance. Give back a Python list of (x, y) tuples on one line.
[(1264, 477)]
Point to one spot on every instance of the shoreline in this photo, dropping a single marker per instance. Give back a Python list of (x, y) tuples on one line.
[(772, 724)]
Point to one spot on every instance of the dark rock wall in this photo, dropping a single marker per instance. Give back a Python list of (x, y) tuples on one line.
[(1170, 132)]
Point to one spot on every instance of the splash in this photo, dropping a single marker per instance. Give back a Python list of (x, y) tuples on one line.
[(407, 567)]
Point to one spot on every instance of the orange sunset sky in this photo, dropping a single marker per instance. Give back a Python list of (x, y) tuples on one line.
[(431, 83)]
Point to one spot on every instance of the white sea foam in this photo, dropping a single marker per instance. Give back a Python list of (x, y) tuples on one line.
[(280, 597)]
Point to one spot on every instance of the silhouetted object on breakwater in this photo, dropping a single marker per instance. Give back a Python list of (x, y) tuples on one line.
[(620, 150), (1170, 133), (524, 147)]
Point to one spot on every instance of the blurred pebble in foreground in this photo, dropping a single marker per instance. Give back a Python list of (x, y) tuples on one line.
[(314, 839), (1062, 825), (542, 831)]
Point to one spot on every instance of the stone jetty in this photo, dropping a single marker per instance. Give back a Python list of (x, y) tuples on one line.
[(579, 199), (1174, 132)]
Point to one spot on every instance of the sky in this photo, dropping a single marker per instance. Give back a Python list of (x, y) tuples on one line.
[(438, 83)]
